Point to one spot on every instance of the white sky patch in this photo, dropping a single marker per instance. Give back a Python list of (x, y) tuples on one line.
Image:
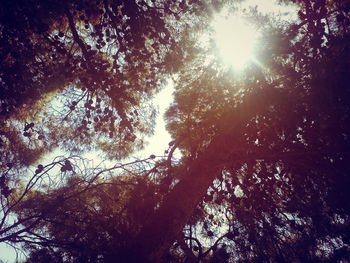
[(7, 253), (158, 143), (235, 39)]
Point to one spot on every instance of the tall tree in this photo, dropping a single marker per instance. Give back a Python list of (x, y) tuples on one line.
[(279, 146)]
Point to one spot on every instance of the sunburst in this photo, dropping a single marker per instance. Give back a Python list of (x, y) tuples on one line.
[(235, 39)]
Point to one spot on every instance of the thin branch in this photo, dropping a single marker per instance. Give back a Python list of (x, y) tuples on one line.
[(200, 252), (76, 35)]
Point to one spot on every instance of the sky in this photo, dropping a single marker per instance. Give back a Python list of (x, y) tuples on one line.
[(158, 143)]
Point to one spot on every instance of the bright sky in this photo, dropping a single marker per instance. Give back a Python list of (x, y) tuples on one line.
[(235, 39), (7, 254)]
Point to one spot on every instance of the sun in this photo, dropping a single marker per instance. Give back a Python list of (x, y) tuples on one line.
[(235, 40)]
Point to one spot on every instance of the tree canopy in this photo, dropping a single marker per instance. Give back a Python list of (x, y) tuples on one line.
[(262, 171)]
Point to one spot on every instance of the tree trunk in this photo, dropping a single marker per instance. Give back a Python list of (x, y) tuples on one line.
[(168, 221)]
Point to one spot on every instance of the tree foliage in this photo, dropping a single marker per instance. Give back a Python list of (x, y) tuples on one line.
[(285, 144), (263, 174), (79, 74)]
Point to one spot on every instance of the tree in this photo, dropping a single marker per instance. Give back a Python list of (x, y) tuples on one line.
[(263, 175), (96, 222), (278, 138), (79, 76)]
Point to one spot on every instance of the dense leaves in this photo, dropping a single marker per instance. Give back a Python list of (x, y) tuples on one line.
[(80, 74), (281, 192), (92, 223)]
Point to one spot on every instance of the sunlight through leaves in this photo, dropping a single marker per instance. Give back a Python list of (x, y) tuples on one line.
[(235, 39)]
